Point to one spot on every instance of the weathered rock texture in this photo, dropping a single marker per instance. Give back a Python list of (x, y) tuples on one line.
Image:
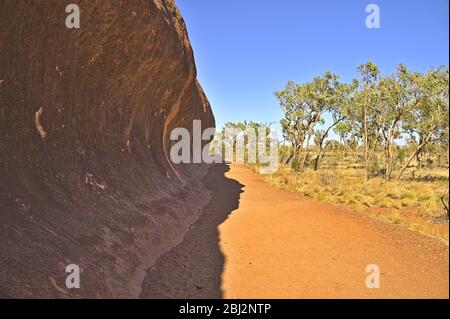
[(85, 116)]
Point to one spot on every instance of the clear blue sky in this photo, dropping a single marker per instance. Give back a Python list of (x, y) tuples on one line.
[(245, 50)]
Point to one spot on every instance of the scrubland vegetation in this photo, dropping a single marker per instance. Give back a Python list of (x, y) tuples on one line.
[(414, 202), (388, 156)]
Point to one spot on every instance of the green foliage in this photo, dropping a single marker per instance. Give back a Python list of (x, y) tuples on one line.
[(374, 112), (375, 169)]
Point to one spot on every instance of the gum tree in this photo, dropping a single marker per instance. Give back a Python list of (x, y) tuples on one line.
[(429, 119), (399, 94), (367, 105), (339, 107), (295, 111), (303, 106)]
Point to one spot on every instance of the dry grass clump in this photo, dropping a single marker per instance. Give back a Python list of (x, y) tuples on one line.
[(412, 202)]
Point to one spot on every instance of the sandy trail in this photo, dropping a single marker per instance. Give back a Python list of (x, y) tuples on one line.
[(278, 244), (256, 241)]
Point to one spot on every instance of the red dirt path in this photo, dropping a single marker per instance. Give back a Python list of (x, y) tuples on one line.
[(278, 244), (256, 241)]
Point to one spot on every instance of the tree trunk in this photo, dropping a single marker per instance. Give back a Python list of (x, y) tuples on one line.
[(321, 153), (316, 161), (419, 159), (318, 158), (410, 159), (306, 152), (389, 157), (366, 146), (292, 155)]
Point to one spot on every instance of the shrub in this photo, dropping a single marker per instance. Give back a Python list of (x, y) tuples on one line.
[(327, 177), (295, 164), (375, 169), (407, 195)]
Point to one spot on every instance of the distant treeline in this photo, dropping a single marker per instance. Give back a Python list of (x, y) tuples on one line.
[(371, 114)]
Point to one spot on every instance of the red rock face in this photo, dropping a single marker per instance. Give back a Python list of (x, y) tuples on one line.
[(85, 118)]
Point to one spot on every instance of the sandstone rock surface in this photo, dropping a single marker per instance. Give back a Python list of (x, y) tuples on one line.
[(85, 118)]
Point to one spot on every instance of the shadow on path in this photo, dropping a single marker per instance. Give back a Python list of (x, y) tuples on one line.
[(193, 269)]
